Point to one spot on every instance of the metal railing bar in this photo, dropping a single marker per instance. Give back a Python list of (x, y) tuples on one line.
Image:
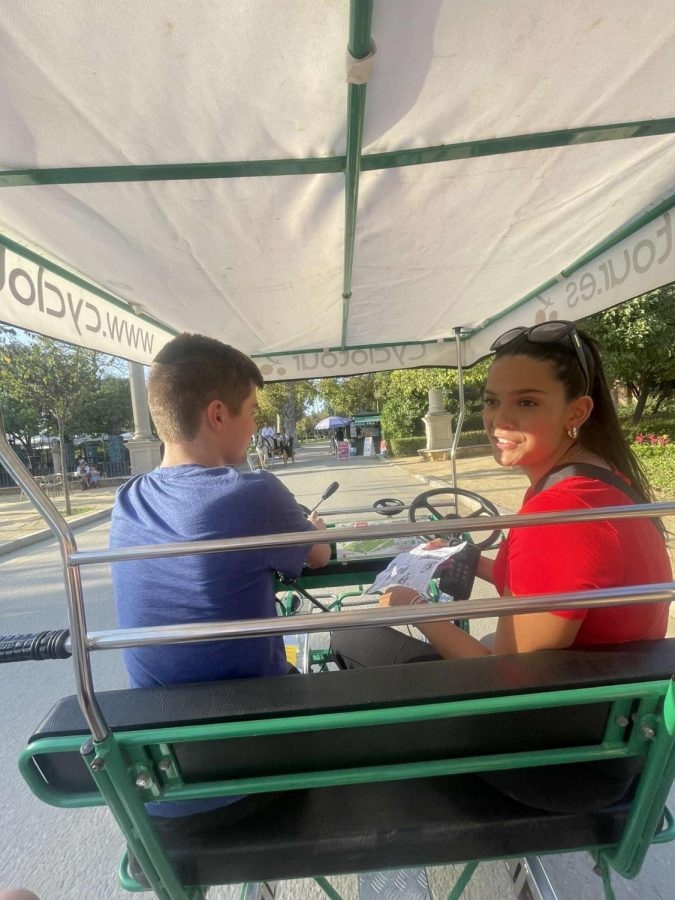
[(410, 615), (361, 532)]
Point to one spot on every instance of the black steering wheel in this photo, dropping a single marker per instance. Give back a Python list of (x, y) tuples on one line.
[(485, 507), (388, 506)]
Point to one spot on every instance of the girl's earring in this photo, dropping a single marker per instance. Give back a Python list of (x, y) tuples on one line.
[(573, 432)]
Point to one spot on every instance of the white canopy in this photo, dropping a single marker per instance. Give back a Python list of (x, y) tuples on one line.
[(204, 167)]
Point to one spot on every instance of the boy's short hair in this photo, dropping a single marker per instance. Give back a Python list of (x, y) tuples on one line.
[(187, 374)]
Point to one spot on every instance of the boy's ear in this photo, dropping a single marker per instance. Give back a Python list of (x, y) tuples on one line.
[(216, 415)]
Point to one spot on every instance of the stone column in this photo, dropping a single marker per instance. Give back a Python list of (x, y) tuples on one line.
[(144, 446), (438, 423), (57, 456)]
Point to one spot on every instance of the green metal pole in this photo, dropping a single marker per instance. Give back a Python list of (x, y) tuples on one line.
[(327, 887), (463, 880), (360, 22), (115, 783), (657, 733)]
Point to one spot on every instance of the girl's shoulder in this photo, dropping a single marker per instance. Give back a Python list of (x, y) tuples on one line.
[(577, 491)]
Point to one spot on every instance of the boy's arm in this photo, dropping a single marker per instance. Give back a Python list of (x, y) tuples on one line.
[(319, 555)]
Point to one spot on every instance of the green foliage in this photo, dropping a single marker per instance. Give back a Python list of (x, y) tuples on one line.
[(637, 340), (43, 379), (347, 396), (49, 376), (52, 378), (305, 427), (22, 421), (403, 417), (107, 411), (658, 463), (404, 396), (290, 400)]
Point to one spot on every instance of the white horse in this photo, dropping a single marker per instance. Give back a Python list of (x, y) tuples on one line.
[(269, 448)]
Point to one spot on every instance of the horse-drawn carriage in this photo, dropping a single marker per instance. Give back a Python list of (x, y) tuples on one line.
[(515, 164), (269, 448)]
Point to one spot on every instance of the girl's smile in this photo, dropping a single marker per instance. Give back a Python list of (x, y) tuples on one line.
[(527, 416)]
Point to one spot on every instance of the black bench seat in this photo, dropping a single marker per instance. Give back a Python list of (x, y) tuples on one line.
[(389, 823)]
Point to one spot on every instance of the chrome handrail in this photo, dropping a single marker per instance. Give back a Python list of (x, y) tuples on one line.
[(361, 532), (403, 615)]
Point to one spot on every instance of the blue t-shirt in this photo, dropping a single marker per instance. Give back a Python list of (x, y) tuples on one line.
[(193, 503)]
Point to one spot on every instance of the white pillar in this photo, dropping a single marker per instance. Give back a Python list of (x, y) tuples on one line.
[(139, 403), (437, 423), (57, 456), (144, 446)]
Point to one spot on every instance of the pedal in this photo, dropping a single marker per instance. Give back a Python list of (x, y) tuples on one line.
[(530, 881), (404, 884)]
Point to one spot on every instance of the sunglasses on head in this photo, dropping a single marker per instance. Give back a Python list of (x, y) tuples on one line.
[(548, 333)]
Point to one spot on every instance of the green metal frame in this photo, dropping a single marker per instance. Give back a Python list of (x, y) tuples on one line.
[(360, 21), (351, 165), (124, 759), (332, 165)]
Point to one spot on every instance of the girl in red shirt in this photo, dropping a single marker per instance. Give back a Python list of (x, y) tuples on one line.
[(547, 404)]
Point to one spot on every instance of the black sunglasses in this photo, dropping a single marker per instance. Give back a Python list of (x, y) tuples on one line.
[(548, 333)]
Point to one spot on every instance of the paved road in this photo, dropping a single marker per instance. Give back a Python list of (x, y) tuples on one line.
[(73, 855)]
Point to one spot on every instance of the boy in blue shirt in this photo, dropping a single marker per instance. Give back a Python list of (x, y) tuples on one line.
[(202, 396)]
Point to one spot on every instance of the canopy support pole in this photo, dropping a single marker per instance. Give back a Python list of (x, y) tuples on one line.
[(360, 22), (460, 418)]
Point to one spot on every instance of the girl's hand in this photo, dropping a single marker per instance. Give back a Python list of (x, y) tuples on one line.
[(401, 596), (436, 544)]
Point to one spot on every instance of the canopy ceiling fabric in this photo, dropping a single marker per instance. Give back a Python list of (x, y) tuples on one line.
[(481, 236)]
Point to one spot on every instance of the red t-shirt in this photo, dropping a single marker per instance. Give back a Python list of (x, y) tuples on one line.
[(582, 556)]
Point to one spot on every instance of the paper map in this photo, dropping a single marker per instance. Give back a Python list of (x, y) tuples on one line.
[(414, 569)]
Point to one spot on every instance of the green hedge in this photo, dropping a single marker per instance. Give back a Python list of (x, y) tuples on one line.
[(469, 438), (471, 422), (408, 446)]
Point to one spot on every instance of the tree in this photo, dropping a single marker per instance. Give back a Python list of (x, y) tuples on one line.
[(107, 411), (637, 340), (348, 396), (53, 378), (404, 395), (22, 422), (290, 400)]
